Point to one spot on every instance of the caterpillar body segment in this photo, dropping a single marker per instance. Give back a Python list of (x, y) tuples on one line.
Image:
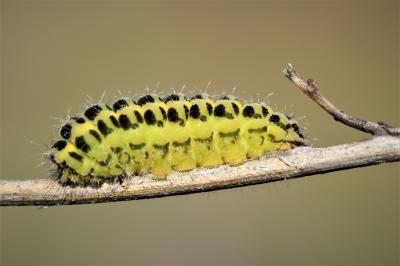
[(153, 135)]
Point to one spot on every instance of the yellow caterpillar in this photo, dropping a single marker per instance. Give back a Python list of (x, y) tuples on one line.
[(159, 135)]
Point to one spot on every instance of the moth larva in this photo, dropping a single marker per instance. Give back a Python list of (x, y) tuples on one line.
[(159, 135)]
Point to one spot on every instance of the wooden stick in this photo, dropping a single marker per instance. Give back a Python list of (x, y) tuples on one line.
[(383, 147), (296, 163)]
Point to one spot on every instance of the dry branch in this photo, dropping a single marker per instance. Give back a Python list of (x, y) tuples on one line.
[(383, 147)]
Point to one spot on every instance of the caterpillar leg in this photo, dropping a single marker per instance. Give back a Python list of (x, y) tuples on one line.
[(160, 161), (233, 150), (182, 155), (207, 154)]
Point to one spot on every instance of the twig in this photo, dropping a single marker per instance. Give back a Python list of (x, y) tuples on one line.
[(383, 147), (299, 162), (310, 88)]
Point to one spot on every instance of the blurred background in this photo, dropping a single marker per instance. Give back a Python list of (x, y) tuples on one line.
[(56, 53)]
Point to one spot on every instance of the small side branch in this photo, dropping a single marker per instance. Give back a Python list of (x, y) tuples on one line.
[(310, 88), (296, 163)]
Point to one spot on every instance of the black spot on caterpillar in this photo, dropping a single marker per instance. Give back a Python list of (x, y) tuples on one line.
[(149, 117), (160, 135), (114, 121), (104, 129), (66, 131), (118, 105), (172, 115), (248, 111), (219, 110), (145, 99), (79, 120), (95, 134), (194, 111), (124, 122), (138, 116), (92, 112), (81, 144), (59, 145), (172, 97)]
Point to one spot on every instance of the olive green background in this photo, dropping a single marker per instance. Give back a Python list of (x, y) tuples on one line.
[(56, 53)]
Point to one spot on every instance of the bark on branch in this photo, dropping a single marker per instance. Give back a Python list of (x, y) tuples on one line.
[(383, 147)]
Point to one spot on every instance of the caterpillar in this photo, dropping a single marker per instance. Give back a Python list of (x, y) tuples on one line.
[(157, 135)]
